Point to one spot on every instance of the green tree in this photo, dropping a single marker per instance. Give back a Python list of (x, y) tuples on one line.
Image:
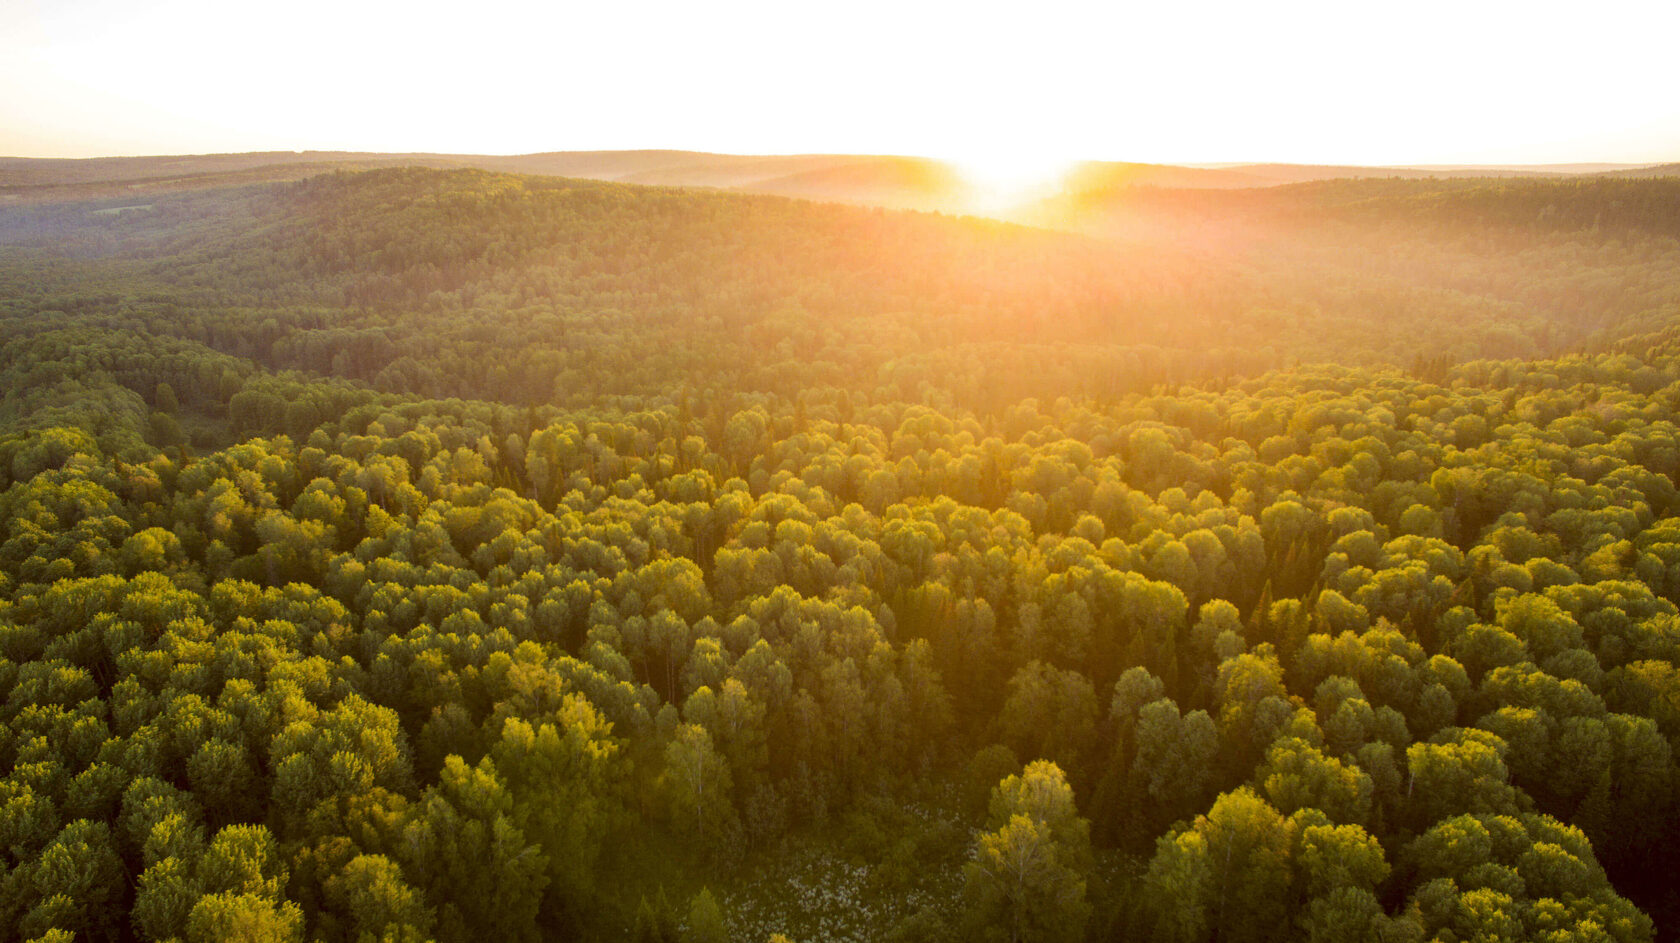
[(1026, 877), (705, 920), (697, 782)]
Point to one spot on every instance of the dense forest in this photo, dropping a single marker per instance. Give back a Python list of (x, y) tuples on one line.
[(420, 554)]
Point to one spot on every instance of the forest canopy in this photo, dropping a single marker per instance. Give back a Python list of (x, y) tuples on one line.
[(421, 554)]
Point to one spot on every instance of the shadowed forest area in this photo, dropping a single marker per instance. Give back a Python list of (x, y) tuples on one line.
[(440, 554)]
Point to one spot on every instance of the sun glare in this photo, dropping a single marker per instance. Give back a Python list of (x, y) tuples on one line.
[(1001, 180)]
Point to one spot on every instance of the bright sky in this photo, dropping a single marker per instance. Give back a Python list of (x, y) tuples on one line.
[(1013, 84)]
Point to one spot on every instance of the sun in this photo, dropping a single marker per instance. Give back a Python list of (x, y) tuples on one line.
[(1003, 179)]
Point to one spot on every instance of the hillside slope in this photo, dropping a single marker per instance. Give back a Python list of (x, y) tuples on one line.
[(894, 182)]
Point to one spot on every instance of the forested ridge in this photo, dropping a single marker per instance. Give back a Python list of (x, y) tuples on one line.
[(443, 555)]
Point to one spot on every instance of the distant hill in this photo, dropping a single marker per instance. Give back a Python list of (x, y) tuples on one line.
[(1103, 175), (1278, 174), (40, 172), (45, 180), (1659, 170), (875, 180), (899, 182), (1206, 216)]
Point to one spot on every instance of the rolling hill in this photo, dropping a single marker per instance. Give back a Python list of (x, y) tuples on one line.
[(876, 180)]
